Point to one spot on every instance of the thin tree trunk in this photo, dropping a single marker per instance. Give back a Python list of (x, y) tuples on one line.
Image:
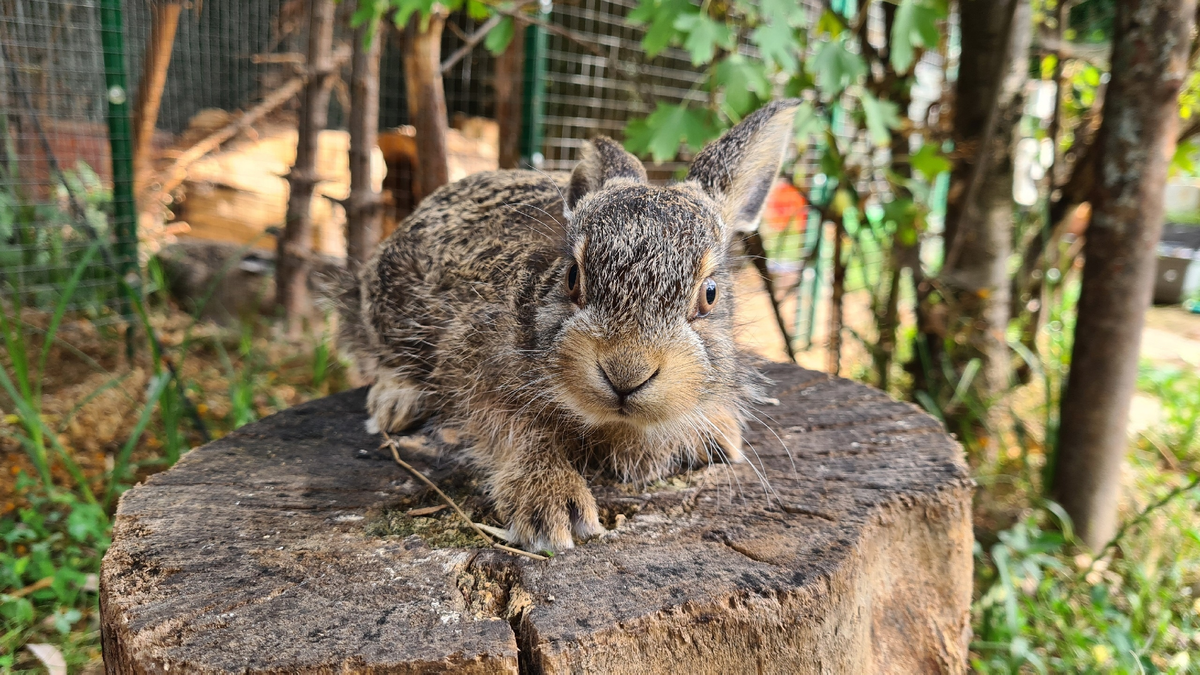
[(833, 349), (1017, 301), (427, 102), (364, 213), (887, 321), (973, 285), (154, 77), (756, 250), (1136, 141), (294, 251), (510, 78), (902, 254)]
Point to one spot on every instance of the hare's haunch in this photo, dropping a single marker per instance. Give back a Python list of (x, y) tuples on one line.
[(564, 322)]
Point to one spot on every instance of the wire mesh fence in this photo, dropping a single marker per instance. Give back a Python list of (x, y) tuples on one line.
[(230, 56), (598, 77), (58, 198)]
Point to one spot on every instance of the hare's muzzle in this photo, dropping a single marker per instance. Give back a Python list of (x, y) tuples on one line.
[(625, 377)]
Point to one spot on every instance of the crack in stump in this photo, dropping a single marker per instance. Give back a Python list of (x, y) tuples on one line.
[(491, 588)]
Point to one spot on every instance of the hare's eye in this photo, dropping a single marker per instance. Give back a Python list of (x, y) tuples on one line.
[(573, 282), (707, 298)]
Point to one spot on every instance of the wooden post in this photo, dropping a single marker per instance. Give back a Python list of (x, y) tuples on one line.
[(294, 251), (510, 78), (150, 89), (427, 101), (1136, 142), (364, 215)]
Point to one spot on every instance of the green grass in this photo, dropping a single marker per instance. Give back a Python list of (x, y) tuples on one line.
[(55, 528), (1044, 604)]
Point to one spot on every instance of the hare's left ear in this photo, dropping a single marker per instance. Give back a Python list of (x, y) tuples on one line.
[(738, 169), (603, 160)]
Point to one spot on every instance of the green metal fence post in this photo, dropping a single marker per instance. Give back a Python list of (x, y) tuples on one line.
[(533, 94), (120, 136)]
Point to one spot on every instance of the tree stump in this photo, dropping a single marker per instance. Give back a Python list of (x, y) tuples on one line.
[(261, 552)]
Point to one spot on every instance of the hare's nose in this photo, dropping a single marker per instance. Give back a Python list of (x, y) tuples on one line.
[(624, 381)]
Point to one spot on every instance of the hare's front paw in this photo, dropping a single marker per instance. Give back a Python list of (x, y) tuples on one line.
[(394, 403), (546, 508)]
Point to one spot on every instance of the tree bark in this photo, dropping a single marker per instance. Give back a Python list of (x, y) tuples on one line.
[(427, 101), (1136, 141), (154, 77), (364, 213), (510, 78), (294, 251), (973, 284)]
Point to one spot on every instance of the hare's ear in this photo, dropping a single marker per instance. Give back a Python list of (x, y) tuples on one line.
[(738, 169), (603, 160)]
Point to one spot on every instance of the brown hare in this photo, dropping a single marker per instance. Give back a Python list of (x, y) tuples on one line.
[(559, 323)]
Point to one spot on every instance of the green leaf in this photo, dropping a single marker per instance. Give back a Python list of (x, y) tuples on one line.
[(499, 37), (808, 123), (778, 44), (902, 213), (16, 610), (799, 83), (154, 391), (929, 161), (1183, 161), (836, 68), (830, 24), (643, 13), (477, 10), (882, 117), (661, 16), (406, 8), (704, 36), (666, 129), (367, 10), (744, 82), (781, 11), (915, 26), (85, 522), (63, 620)]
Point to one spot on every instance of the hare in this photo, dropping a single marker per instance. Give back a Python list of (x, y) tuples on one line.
[(564, 323)]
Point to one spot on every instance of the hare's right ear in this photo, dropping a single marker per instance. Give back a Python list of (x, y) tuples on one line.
[(738, 169), (603, 160)]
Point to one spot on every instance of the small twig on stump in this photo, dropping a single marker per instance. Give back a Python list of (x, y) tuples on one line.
[(390, 444)]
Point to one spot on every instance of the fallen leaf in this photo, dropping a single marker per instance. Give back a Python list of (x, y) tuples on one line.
[(426, 510), (50, 657)]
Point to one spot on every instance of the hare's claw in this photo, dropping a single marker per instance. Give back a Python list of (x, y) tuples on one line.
[(394, 404), (546, 512)]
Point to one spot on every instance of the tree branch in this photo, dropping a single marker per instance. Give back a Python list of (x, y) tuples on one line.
[(472, 40)]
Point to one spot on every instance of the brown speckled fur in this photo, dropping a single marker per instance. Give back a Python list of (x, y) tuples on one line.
[(464, 319)]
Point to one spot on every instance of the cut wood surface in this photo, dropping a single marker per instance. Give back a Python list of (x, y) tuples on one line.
[(269, 551)]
